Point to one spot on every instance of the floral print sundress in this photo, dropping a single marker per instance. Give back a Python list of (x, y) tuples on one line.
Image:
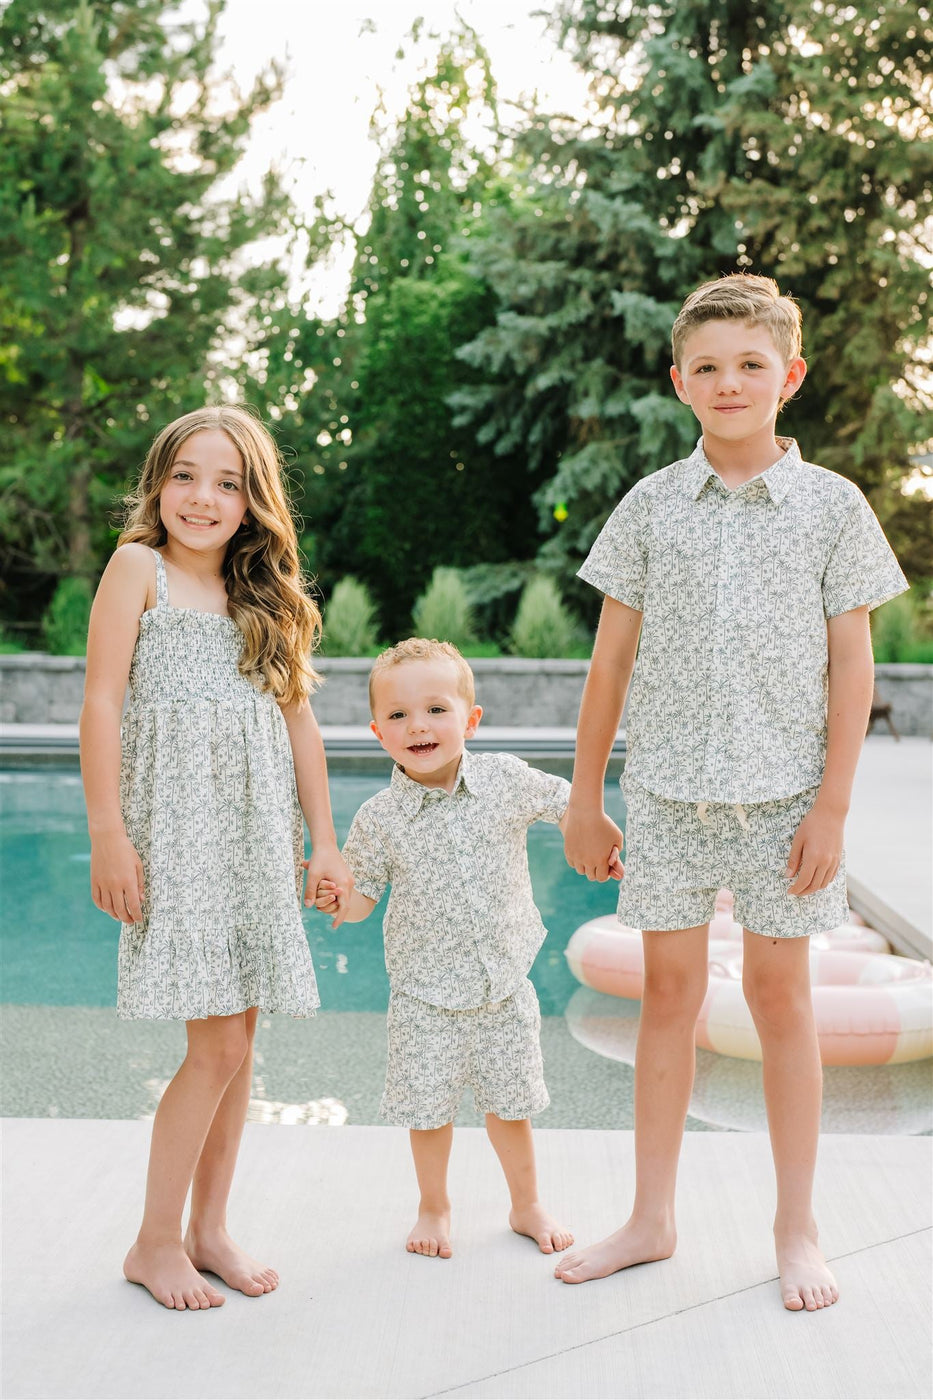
[(210, 803)]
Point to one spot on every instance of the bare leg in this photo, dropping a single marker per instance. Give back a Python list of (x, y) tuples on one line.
[(431, 1232), (515, 1149), (216, 1047), (776, 981), (676, 975), (206, 1240)]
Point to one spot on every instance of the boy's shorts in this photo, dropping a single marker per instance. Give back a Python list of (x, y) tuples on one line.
[(678, 854), (434, 1053)]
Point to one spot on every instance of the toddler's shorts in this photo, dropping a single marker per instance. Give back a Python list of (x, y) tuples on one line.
[(435, 1053), (679, 854)]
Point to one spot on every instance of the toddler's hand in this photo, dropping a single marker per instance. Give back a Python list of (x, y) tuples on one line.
[(327, 897), (616, 868), (592, 843)]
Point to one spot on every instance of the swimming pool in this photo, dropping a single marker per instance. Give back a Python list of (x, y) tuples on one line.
[(66, 1054)]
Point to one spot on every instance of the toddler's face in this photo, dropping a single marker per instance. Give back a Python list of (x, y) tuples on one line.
[(421, 719)]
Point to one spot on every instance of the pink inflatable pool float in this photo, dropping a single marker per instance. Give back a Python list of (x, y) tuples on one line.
[(871, 1007)]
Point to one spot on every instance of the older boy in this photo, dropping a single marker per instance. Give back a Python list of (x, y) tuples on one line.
[(461, 929), (749, 575)]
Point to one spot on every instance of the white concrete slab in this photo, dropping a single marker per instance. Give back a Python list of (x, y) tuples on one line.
[(357, 1317)]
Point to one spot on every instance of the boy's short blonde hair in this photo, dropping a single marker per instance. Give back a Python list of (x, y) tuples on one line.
[(741, 296), (423, 649)]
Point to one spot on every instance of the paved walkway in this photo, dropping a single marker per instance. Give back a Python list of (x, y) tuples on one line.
[(356, 1316)]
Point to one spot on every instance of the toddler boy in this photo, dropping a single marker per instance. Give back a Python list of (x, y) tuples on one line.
[(461, 930), (748, 574)]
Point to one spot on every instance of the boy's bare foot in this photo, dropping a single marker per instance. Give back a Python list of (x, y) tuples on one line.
[(215, 1251), (535, 1222), (170, 1277), (431, 1235), (633, 1244), (806, 1281)]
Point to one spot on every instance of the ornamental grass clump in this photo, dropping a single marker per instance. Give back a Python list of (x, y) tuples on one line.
[(443, 610), (543, 626), (64, 623), (897, 632), (350, 620)]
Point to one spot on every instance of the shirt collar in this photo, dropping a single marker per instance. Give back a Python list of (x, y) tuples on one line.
[(778, 479), (410, 795)]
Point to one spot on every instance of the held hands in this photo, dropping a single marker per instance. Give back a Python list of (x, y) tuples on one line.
[(816, 851), (328, 871), (593, 844), (117, 885)]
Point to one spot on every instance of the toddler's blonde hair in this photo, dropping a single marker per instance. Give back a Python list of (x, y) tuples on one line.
[(262, 572), (423, 649), (741, 296)]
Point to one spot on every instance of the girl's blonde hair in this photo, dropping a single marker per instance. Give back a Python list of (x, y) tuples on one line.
[(280, 623)]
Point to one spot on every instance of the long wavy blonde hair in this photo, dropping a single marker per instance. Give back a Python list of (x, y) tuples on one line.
[(262, 574)]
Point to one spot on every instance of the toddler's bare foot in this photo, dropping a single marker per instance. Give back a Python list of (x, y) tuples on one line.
[(635, 1243), (535, 1222), (806, 1282), (170, 1277), (215, 1251), (431, 1235)]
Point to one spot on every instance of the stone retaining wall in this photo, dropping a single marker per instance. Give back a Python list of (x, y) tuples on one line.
[(39, 689)]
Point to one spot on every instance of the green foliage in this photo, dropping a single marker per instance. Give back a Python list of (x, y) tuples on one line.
[(8, 645), (543, 626), (349, 620), (443, 610), (120, 279), (897, 631), (775, 137), (64, 625)]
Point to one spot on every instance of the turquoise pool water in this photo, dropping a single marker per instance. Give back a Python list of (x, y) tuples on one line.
[(56, 949)]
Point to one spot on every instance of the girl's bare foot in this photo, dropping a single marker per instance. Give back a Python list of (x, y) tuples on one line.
[(431, 1235), (170, 1277), (535, 1222), (215, 1251), (633, 1244), (806, 1281)]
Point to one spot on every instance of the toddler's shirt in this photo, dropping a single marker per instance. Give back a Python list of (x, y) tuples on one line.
[(729, 693), (461, 928)]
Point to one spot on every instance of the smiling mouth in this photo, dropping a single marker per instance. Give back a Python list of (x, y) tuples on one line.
[(421, 750), (197, 520)]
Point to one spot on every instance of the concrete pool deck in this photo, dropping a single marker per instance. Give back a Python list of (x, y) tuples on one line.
[(358, 1317)]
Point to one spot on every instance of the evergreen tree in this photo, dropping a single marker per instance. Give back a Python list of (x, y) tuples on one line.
[(390, 488), (120, 287), (768, 135)]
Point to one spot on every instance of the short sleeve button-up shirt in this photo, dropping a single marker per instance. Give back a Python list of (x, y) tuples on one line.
[(728, 697), (462, 928)]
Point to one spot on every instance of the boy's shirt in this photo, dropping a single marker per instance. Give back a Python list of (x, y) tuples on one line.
[(461, 928), (728, 698)]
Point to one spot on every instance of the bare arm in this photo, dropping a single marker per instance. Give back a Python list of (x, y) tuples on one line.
[(314, 796), (123, 595), (817, 846), (590, 836)]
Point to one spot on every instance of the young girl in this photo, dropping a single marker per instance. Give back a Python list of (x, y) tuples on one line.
[(195, 822)]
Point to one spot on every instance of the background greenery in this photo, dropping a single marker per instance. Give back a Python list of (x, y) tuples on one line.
[(498, 375)]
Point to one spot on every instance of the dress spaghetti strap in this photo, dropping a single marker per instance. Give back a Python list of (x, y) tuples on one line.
[(161, 581)]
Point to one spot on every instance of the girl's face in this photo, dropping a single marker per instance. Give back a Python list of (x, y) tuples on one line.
[(203, 501)]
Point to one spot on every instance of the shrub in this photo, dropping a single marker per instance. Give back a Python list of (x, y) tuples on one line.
[(64, 623), (443, 610), (349, 620), (896, 633), (543, 626)]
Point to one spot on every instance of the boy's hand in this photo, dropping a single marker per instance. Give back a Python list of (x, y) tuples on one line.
[(816, 851), (328, 867), (592, 843)]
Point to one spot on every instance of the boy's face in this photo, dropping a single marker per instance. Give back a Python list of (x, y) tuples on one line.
[(421, 719), (733, 377)]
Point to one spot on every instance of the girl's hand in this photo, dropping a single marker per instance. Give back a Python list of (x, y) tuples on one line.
[(815, 852), (327, 866), (117, 885)]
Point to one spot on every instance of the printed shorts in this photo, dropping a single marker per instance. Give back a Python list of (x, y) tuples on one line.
[(678, 854), (434, 1053)]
